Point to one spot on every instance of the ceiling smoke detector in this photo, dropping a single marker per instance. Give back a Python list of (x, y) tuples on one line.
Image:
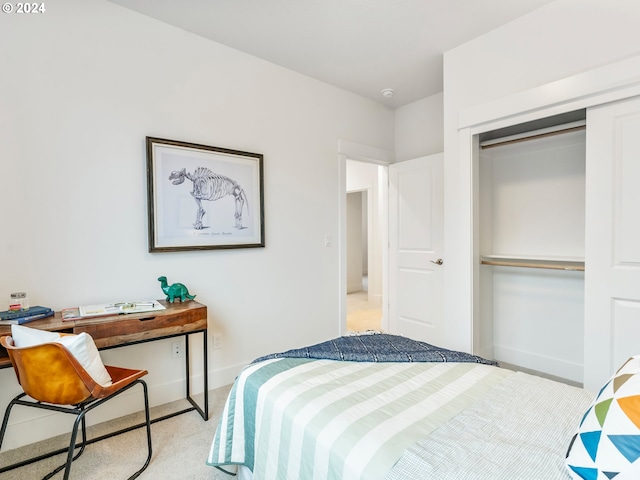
[(387, 92)]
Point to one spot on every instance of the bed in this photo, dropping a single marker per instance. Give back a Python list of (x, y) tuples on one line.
[(388, 407)]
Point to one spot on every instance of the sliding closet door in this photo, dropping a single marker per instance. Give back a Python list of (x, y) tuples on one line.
[(612, 249)]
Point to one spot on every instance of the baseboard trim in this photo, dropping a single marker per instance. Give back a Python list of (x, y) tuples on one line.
[(556, 367)]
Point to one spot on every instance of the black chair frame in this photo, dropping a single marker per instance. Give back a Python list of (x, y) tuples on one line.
[(80, 412)]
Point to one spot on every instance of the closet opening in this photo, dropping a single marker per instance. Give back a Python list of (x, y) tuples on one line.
[(529, 231)]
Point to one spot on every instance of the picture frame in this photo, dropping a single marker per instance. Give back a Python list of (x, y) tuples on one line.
[(202, 197)]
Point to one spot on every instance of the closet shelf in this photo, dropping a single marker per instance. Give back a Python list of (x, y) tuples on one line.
[(534, 261)]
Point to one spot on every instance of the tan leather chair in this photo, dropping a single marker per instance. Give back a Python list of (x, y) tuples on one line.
[(52, 376)]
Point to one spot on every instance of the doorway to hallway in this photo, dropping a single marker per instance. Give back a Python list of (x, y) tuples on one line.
[(365, 221)]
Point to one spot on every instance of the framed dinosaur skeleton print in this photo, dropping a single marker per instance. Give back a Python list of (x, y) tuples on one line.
[(202, 197)]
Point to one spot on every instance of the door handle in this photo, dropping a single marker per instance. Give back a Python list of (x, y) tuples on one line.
[(437, 262)]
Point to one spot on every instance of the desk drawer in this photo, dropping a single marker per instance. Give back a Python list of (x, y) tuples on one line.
[(125, 329)]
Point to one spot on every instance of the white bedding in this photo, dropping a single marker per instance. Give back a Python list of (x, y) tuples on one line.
[(294, 419), (301, 419), (519, 431)]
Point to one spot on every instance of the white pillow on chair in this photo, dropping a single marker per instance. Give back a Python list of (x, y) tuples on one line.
[(84, 349), (81, 346), (29, 337)]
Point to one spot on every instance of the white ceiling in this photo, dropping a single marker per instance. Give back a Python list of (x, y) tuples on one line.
[(362, 46)]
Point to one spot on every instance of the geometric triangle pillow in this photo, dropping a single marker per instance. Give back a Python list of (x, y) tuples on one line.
[(607, 443)]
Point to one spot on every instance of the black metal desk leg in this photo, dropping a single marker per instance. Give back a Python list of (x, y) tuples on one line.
[(206, 375), (187, 358), (204, 413)]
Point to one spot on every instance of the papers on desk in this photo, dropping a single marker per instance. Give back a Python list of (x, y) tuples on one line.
[(100, 310)]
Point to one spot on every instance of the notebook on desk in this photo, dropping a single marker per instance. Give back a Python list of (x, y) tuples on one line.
[(105, 309), (13, 317)]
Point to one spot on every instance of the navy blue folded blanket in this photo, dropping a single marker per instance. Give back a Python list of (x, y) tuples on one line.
[(378, 348)]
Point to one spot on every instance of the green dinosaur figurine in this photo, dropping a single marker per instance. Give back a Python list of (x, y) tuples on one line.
[(175, 290)]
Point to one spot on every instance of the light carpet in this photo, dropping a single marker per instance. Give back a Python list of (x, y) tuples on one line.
[(180, 448), (362, 315), (363, 320)]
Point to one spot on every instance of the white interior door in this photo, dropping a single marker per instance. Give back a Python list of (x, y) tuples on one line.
[(415, 248), (612, 248)]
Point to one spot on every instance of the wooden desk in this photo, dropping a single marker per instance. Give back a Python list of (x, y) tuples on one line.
[(179, 319)]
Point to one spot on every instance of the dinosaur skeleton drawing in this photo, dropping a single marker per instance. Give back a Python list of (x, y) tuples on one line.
[(211, 186)]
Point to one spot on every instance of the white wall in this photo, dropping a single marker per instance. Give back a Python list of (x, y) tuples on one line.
[(354, 242), (561, 39), (83, 84), (365, 232), (420, 128)]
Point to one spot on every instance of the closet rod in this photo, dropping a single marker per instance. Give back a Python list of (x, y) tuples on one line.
[(525, 264), (532, 136)]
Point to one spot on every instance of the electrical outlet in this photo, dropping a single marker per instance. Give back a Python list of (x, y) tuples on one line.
[(176, 349), (217, 341)]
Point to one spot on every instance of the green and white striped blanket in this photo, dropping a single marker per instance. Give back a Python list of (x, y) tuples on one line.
[(303, 419)]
